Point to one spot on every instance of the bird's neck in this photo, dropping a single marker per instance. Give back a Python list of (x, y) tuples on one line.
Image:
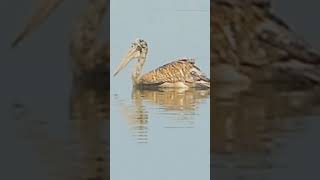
[(136, 75)]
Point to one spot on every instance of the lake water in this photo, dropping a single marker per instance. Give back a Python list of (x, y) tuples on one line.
[(267, 132), (52, 129), (264, 132), (53, 132), (159, 134)]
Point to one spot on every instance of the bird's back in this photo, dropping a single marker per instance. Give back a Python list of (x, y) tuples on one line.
[(180, 71)]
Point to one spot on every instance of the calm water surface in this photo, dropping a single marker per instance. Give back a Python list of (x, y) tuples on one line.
[(264, 132), (160, 134), (53, 132)]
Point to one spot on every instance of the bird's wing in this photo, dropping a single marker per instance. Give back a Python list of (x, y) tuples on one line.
[(183, 70), (45, 8)]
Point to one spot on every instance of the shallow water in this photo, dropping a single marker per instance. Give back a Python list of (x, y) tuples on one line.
[(264, 132), (52, 133), (160, 134), (257, 133), (69, 146)]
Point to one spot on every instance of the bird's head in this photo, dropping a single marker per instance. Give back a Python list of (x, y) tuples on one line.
[(138, 50)]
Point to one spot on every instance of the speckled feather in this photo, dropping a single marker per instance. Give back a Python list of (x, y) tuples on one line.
[(182, 70)]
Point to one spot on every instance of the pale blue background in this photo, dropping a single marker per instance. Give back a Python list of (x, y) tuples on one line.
[(172, 29)]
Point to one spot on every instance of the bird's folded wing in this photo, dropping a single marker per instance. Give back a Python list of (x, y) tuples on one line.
[(177, 71)]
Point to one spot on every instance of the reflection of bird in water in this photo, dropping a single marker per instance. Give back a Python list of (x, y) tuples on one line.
[(90, 121), (89, 100), (136, 116), (177, 107), (250, 129), (182, 73), (173, 99)]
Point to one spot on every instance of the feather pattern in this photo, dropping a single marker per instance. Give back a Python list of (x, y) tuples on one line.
[(180, 71)]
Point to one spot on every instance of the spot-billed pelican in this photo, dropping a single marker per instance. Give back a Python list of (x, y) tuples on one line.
[(182, 73)]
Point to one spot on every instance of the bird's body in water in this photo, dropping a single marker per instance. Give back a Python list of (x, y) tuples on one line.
[(181, 73)]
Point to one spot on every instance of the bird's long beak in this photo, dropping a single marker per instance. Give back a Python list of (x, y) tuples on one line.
[(132, 53)]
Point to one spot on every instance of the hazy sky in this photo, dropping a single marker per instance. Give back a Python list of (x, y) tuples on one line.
[(173, 29)]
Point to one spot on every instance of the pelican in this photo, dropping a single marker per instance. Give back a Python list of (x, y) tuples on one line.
[(274, 54), (182, 73)]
